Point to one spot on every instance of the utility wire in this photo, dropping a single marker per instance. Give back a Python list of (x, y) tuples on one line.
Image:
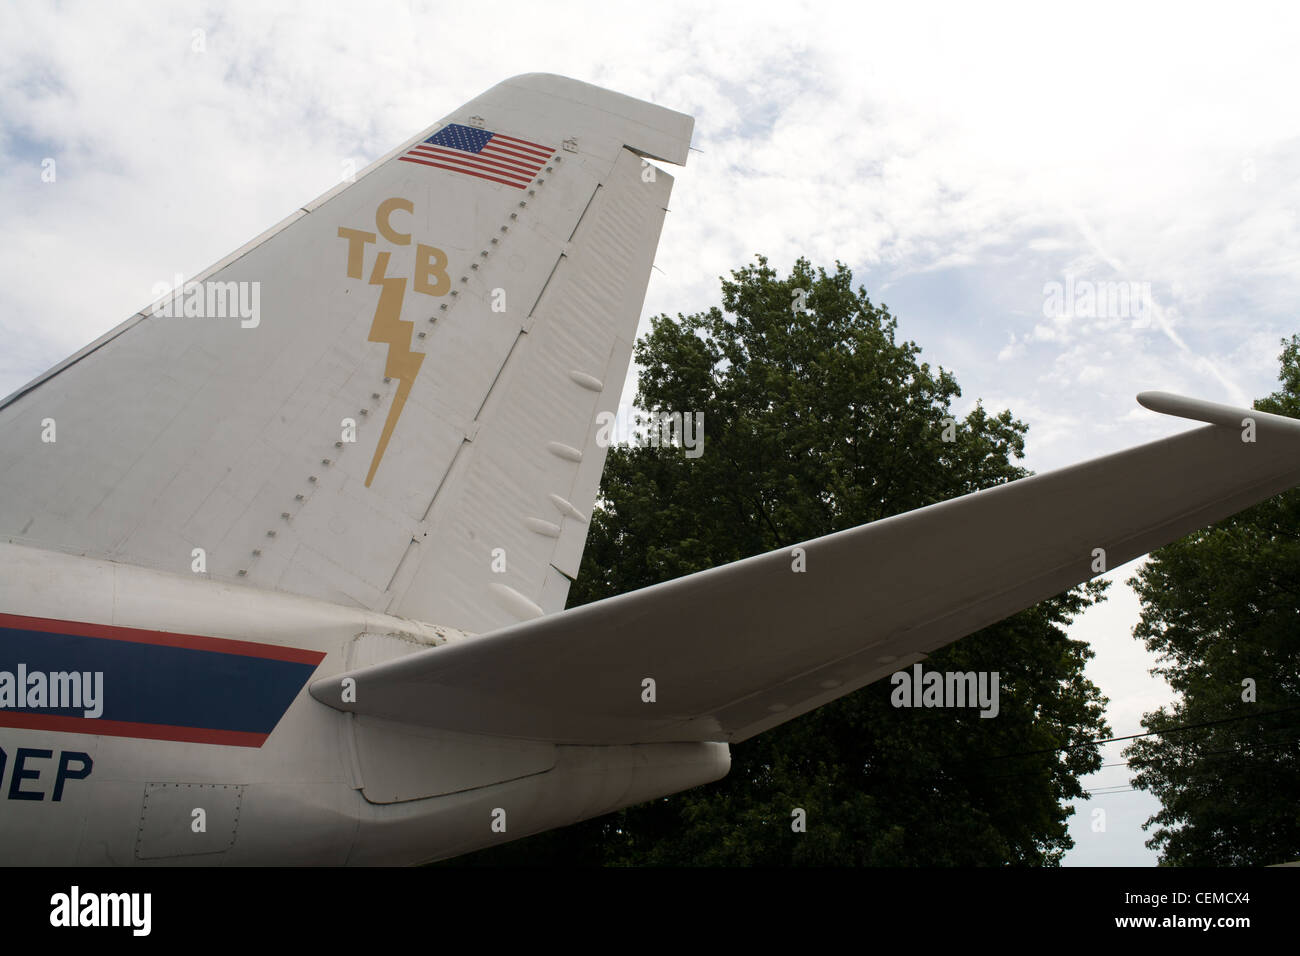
[(1234, 750), (1149, 733)]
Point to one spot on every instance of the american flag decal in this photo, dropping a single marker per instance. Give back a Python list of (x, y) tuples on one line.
[(482, 153)]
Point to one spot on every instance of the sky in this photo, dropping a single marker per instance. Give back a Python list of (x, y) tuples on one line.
[(984, 173)]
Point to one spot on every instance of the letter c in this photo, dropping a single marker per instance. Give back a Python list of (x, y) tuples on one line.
[(385, 227)]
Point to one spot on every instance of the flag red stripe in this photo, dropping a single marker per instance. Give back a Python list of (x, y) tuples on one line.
[(511, 150), (461, 169), (512, 155), (503, 165), (523, 142), (473, 163)]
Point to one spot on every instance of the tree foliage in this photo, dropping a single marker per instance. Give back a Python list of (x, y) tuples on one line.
[(1220, 607), (816, 422)]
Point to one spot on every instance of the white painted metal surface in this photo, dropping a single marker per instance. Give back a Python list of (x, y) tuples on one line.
[(743, 647), (177, 433), (463, 308), (231, 634)]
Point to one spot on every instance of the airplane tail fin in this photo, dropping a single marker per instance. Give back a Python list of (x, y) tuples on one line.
[(389, 399)]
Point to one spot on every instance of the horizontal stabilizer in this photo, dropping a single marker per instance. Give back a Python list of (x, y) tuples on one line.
[(1199, 410), (740, 648)]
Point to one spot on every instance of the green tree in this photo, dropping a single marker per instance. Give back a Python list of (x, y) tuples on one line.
[(1219, 608), (818, 421)]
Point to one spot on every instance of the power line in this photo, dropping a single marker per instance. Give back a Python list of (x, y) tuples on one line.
[(1126, 762), (1120, 788), (1210, 753), (1149, 733)]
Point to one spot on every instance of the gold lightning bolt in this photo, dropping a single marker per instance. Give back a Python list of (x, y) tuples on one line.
[(403, 364)]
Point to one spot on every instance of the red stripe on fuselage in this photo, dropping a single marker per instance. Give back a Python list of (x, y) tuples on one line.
[(194, 642), (122, 728)]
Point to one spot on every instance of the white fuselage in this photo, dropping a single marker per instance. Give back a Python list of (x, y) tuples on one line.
[(275, 777)]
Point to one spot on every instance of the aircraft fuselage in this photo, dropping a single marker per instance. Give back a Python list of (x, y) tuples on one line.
[(166, 719)]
